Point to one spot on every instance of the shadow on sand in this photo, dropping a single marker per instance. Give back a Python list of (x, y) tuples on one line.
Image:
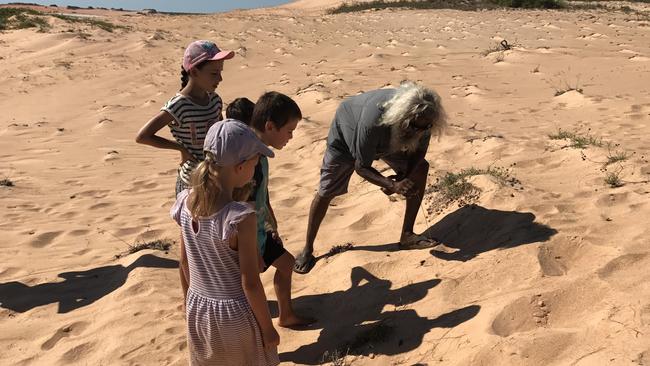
[(78, 289), (472, 230), (354, 321)]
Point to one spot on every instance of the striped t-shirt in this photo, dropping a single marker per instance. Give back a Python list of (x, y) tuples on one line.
[(190, 125)]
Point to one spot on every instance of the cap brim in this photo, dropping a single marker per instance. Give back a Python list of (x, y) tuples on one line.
[(223, 55), (264, 150)]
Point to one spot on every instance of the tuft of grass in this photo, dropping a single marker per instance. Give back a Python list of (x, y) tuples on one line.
[(617, 156), (577, 141), (613, 179), (339, 249), (497, 47), (6, 183), (22, 18), (532, 4), (351, 7), (454, 187), (565, 86), (158, 244), (97, 23), (336, 357)]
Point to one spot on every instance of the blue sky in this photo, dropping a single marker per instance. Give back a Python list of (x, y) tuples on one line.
[(190, 6)]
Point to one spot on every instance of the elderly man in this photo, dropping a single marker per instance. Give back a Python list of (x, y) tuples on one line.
[(394, 125)]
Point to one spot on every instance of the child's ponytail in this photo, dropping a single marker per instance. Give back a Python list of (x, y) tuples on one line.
[(205, 188), (185, 78)]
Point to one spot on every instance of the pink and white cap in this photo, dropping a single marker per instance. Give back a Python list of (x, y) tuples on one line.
[(199, 51)]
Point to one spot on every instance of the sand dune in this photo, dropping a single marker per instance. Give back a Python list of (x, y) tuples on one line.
[(550, 268)]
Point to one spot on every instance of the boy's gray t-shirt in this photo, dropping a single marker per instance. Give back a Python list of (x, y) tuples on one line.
[(355, 134)]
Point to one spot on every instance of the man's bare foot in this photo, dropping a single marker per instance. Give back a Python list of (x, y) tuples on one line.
[(415, 241), (304, 263), (294, 320)]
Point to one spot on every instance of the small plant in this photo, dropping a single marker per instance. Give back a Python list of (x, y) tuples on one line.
[(617, 156), (6, 183), (576, 141), (500, 57), (339, 249), (336, 357), (497, 47), (454, 187), (98, 23), (565, 86), (532, 4), (158, 244), (21, 18), (350, 7), (613, 179)]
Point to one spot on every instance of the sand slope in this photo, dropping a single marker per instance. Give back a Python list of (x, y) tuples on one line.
[(550, 271)]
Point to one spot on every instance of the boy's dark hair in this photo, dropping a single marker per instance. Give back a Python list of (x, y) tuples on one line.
[(241, 109), (275, 107)]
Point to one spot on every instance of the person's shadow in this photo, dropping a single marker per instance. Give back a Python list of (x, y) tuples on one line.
[(473, 229), (353, 321), (78, 289)]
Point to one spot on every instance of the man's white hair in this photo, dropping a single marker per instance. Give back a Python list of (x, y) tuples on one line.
[(408, 102)]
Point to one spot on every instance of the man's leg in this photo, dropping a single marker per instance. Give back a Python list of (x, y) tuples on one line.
[(419, 178), (317, 212), (334, 179)]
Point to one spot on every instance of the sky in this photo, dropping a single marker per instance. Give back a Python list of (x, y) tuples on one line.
[(185, 6)]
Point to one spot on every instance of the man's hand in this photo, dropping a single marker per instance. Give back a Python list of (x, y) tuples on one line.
[(405, 187)]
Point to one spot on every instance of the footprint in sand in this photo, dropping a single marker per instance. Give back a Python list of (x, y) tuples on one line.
[(73, 329), (45, 239), (78, 353), (626, 271), (567, 307), (555, 257), (79, 232), (100, 206), (365, 221)]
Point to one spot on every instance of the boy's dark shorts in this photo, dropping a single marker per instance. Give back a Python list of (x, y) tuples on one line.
[(273, 250)]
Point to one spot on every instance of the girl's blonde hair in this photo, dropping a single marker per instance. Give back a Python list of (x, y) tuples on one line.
[(206, 188), (411, 100)]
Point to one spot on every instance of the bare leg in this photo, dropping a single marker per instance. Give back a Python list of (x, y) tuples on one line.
[(317, 212), (419, 178), (184, 271), (282, 286)]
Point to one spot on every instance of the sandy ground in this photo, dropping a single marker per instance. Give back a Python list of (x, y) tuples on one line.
[(550, 270)]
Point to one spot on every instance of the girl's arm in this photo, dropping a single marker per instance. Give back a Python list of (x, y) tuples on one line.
[(184, 272), (250, 277), (147, 135)]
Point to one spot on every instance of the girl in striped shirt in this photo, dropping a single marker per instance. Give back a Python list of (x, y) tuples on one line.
[(190, 113), (228, 320)]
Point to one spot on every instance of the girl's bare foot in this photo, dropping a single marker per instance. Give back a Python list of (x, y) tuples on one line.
[(294, 320)]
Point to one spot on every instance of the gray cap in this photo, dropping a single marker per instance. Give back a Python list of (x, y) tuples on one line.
[(232, 142)]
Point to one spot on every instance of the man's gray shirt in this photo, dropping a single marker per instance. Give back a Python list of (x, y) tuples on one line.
[(356, 135)]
